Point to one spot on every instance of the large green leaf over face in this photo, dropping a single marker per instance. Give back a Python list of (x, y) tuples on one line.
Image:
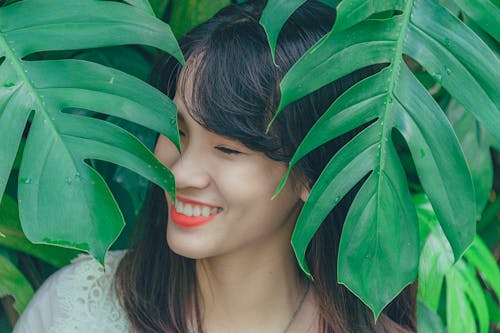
[(62, 199), (382, 220)]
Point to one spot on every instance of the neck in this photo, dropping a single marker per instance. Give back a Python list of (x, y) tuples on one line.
[(249, 291)]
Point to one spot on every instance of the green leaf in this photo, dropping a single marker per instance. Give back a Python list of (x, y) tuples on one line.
[(453, 54), (484, 13), (460, 317), (338, 54), (39, 25), (493, 308), (475, 294), (475, 142), (394, 100), (465, 293), (186, 14), (14, 238), (274, 16), (370, 239), (14, 283), (436, 258), (62, 200), (353, 12), (331, 3), (427, 320), (438, 159), (124, 58), (480, 257), (354, 160), (142, 4), (160, 7)]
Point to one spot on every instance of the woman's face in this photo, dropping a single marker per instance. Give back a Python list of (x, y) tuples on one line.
[(230, 187)]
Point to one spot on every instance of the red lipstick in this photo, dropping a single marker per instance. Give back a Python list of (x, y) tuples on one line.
[(190, 221)]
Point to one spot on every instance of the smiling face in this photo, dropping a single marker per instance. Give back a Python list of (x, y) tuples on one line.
[(229, 187)]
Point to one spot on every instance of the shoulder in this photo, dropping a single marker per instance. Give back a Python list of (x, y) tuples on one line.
[(78, 298)]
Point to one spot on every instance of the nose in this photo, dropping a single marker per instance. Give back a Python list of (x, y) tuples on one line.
[(189, 170)]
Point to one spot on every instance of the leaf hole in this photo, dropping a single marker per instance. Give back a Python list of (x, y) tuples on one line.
[(406, 160), (385, 14), (429, 79)]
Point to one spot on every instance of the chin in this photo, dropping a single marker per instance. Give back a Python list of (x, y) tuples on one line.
[(186, 245)]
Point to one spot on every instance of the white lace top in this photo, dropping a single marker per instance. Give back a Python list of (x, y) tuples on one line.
[(79, 298)]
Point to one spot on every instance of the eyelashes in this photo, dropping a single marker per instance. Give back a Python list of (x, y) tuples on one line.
[(225, 150)]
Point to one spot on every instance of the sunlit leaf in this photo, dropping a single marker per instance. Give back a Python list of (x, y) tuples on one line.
[(480, 257), (464, 290), (458, 308), (436, 258)]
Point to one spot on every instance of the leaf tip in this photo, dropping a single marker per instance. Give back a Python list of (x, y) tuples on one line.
[(271, 122), (305, 269)]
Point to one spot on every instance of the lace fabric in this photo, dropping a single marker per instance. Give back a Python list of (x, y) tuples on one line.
[(79, 298)]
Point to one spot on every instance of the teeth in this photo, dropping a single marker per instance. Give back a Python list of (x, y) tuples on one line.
[(205, 211), (188, 210), (193, 210)]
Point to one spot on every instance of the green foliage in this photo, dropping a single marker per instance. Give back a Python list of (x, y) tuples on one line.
[(379, 243), (13, 282), (14, 237), (55, 183), (277, 13), (485, 13), (466, 301), (188, 13), (476, 143)]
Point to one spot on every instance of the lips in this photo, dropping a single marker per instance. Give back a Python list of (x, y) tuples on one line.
[(190, 221)]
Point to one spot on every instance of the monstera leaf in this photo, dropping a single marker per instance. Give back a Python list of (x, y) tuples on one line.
[(62, 200), (378, 253), (467, 307)]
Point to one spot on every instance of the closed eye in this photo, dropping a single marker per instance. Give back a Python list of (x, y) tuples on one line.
[(227, 150)]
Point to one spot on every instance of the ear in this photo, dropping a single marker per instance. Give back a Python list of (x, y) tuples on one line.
[(303, 192), (301, 186)]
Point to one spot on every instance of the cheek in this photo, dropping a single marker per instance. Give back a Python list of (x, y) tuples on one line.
[(165, 151), (238, 182), (253, 185)]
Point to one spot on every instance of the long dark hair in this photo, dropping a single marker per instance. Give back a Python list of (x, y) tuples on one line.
[(235, 93)]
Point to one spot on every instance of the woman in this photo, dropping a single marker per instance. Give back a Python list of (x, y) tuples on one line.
[(226, 264)]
